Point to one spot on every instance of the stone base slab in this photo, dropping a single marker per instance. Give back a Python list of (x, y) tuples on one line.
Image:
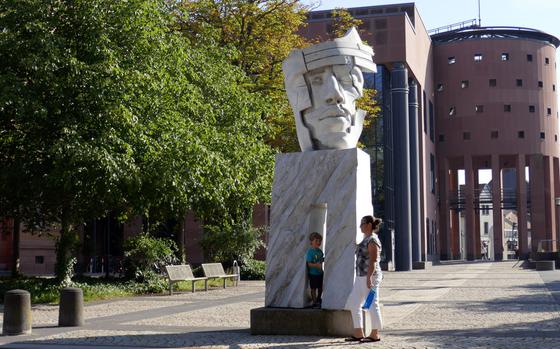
[(302, 322)]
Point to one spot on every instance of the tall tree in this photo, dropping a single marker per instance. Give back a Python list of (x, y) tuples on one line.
[(342, 20), (261, 34), (103, 108)]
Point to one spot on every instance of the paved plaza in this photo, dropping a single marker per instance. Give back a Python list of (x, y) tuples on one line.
[(462, 305)]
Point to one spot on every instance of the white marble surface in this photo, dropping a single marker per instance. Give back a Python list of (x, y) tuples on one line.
[(339, 178)]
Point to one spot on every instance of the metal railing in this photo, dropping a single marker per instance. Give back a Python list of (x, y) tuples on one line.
[(508, 198), (454, 26)]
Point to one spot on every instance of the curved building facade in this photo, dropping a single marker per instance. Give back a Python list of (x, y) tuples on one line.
[(496, 109)]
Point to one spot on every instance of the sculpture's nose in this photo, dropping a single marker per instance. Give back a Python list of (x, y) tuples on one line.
[(333, 91)]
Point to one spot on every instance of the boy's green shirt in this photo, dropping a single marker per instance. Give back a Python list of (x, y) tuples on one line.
[(314, 255)]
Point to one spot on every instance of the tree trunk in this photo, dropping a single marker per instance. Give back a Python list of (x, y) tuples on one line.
[(15, 247), (65, 259)]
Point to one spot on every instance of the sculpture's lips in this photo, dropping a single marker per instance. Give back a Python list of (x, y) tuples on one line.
[(334, 113)]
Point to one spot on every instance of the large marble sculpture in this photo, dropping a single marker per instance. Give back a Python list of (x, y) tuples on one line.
[(326, 187)]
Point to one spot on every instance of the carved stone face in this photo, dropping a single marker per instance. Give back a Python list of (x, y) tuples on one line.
[(331, 120), (323, 82)]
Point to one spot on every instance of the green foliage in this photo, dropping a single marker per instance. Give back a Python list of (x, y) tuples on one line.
[(342, 22), (104, 109), (260, 35), (226, 243), (253, 269), (47, 290), (143, 253)]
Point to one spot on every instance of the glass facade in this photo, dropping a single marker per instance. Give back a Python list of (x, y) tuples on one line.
[(377, 138)]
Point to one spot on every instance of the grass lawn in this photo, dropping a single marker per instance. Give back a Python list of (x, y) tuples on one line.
[(46, 290)]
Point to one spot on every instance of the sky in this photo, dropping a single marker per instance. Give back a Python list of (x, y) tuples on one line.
[(542, 15)]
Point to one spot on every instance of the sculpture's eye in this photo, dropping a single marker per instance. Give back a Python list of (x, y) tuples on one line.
[(346, 79), (317, 80)]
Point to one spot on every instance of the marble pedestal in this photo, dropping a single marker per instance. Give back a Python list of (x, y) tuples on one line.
[(302, 182), (301, 322)]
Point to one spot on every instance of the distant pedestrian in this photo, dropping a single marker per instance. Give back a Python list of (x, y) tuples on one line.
[(484, 251), (315, 258), (368, 277)]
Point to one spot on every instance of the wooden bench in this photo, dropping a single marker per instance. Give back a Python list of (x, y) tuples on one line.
[(216, 271), (183, 272)]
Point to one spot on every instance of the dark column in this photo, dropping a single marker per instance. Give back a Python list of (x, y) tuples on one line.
[(415, 222), (444, 218), (522, 208), (399, 104), (536, 184), (469, 208), (550, 207), (497, 218), (454, 233)]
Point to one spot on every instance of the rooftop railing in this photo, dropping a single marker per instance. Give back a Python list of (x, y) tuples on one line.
[(460, 25)]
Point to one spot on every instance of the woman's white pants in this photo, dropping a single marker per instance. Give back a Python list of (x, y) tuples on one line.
[(356, 300)]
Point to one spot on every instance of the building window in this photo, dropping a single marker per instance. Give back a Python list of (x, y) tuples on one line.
[(504, 56), (439, 87), (556, 138), (478, 57), (39, 259), (466, 136), (452, 111), (432, 121), (494, 134), (479, 108), (464, 83), (507, 107), (548, 111), (485, 211), (519, 82), (546, 60), (531, 109), (542, 135), (492, 82), (540, 84), (486, 227), (451, 60), (433, 173), (553, 87), (442, 138), (520, 134), (529, 58)]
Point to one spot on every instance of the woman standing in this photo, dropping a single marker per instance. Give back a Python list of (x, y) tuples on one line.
[(368, 276)]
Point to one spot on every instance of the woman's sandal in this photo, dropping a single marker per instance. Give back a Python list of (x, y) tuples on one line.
[(353, 339), (369, 340)]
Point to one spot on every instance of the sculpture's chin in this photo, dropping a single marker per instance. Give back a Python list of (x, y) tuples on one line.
[(335, 140)]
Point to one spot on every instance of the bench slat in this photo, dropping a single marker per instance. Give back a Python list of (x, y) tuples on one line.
[(179, 272)]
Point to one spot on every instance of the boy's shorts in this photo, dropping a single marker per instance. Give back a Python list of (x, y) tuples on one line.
[(315, 281)]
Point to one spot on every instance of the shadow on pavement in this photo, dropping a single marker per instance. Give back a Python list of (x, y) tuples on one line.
[(231, 338)]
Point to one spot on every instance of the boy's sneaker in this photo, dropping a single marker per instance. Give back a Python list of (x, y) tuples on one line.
[(316, 305)]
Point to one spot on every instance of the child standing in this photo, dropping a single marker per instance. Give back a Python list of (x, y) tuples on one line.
[(315, 260)]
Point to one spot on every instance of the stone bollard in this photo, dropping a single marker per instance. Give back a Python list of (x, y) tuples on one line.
[(17, 313), (71, 310)]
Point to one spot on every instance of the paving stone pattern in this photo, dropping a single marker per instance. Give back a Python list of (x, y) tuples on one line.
[(458, 305)]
